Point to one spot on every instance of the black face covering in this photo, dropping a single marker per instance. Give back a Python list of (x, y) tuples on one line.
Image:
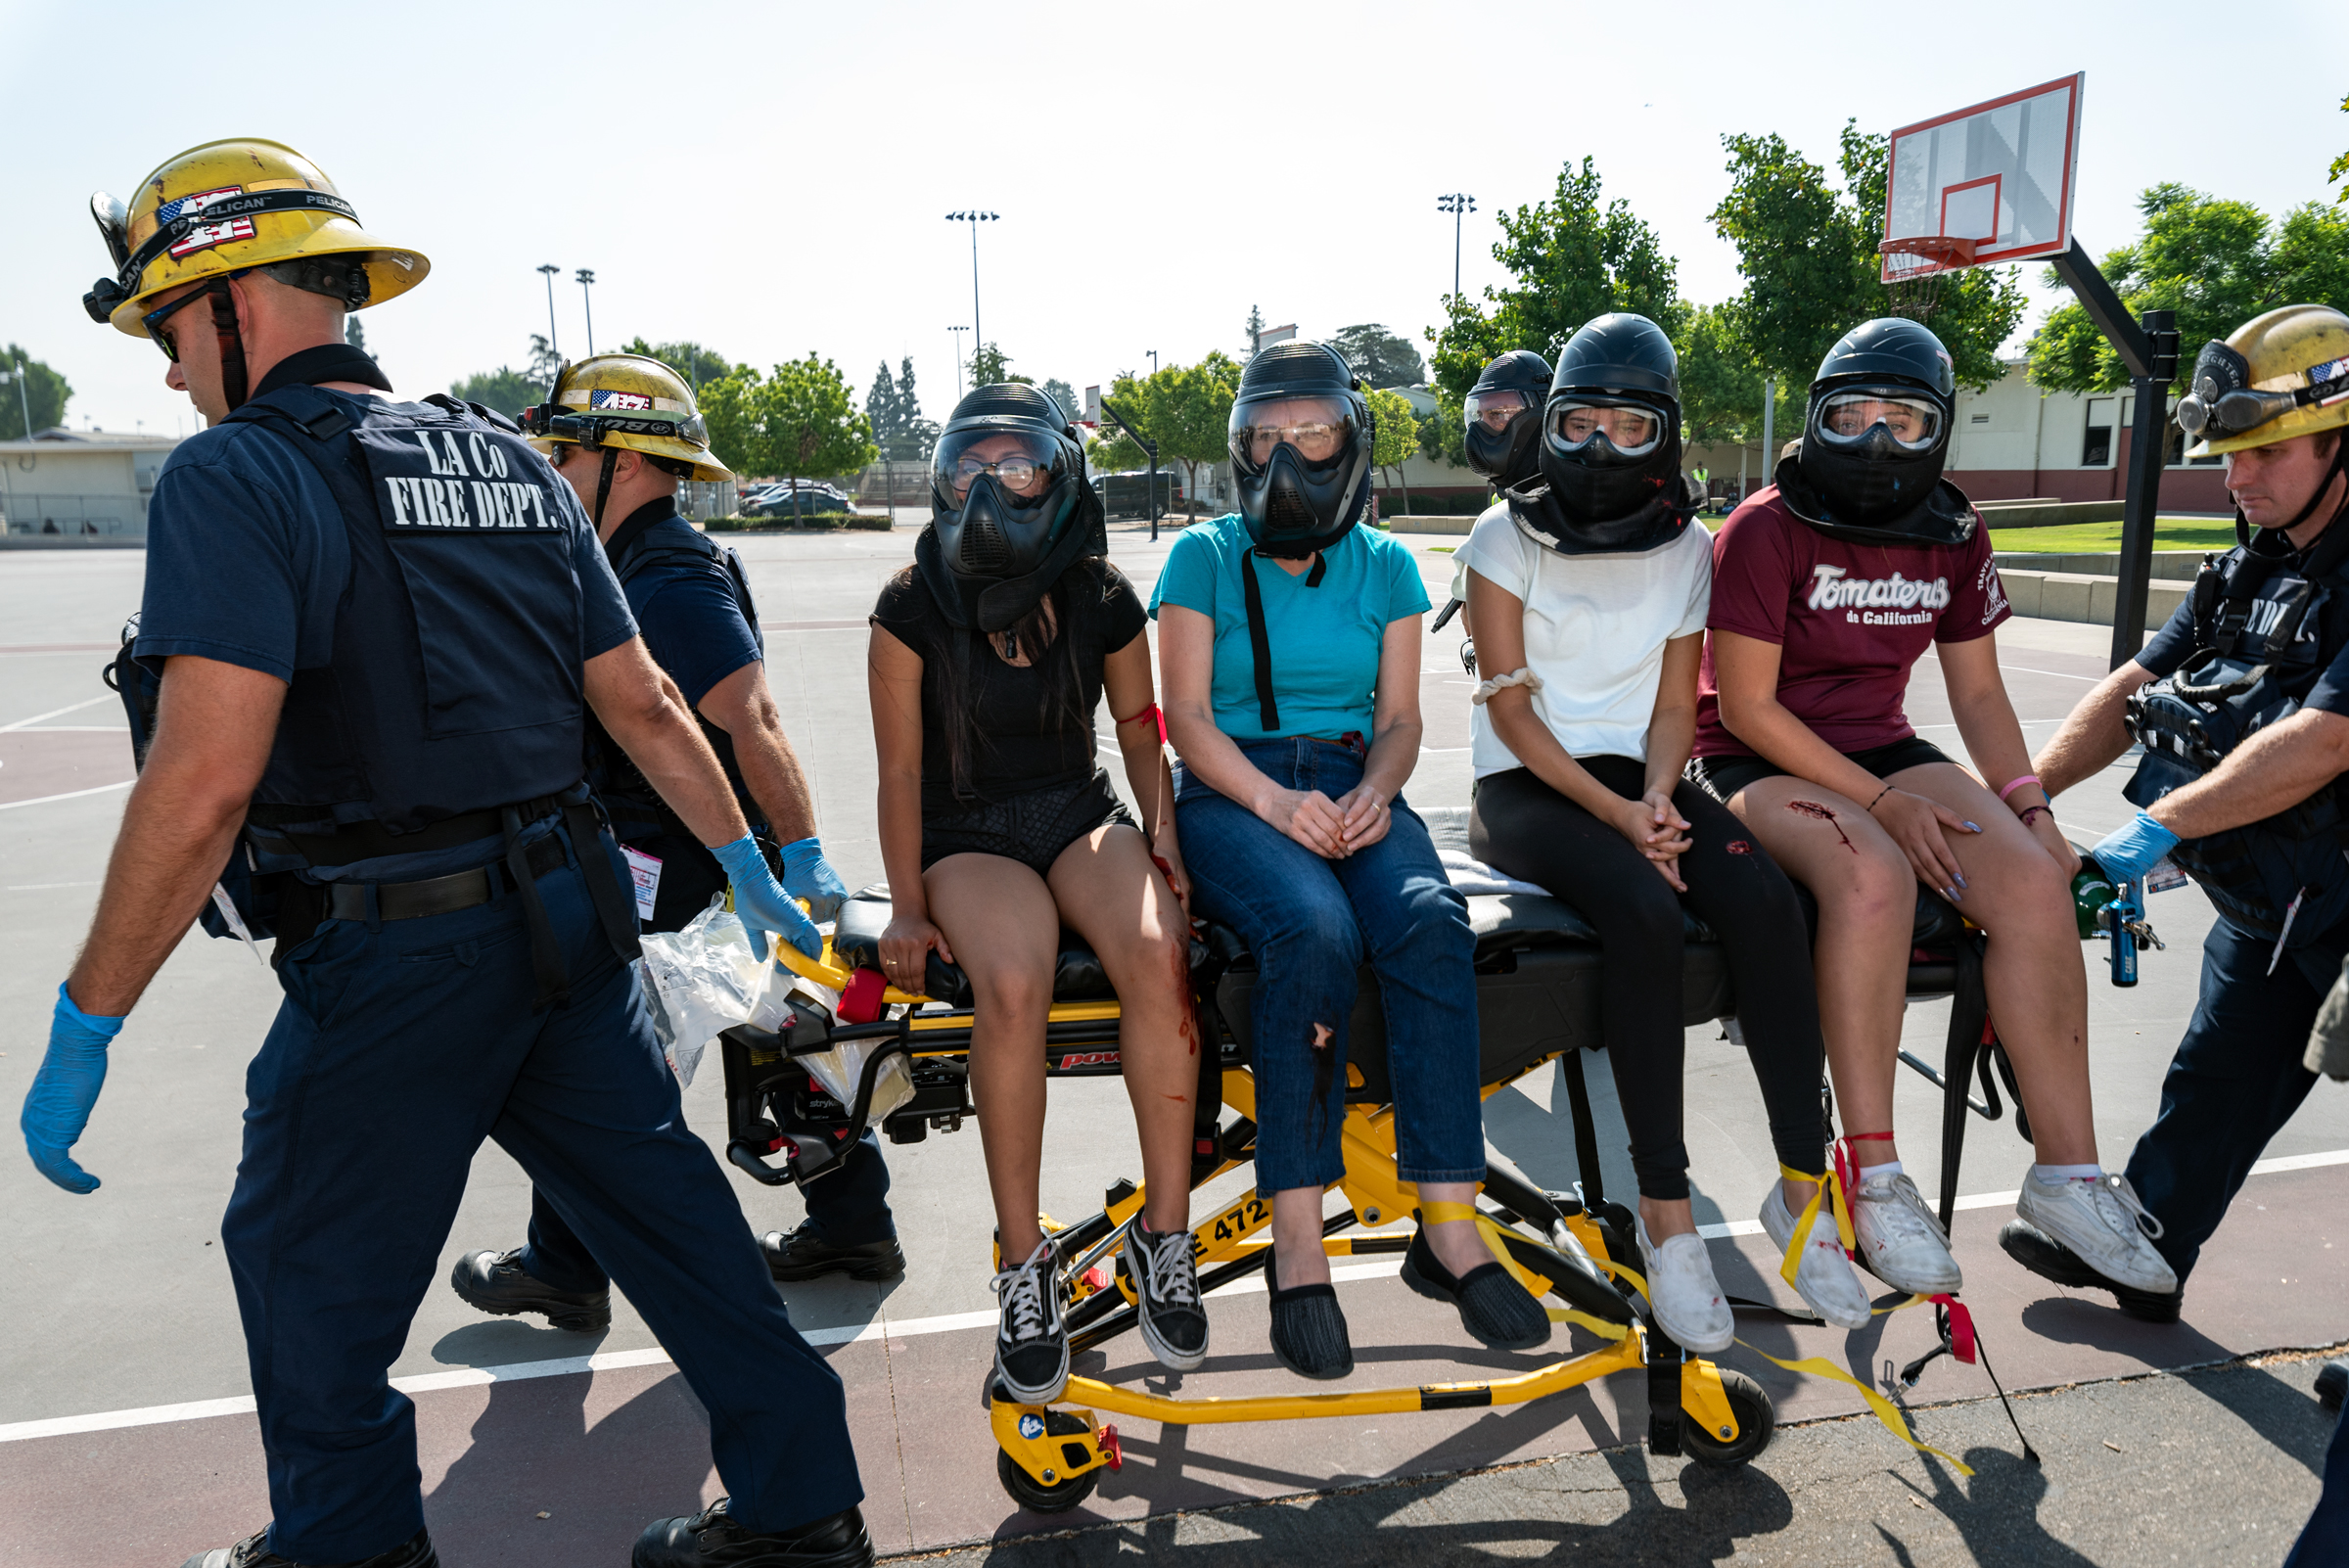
[(1299, 512), (1292, 507), (1508, 456), (1942, 515), (1873, 482), (1539, 516), (995, 601)]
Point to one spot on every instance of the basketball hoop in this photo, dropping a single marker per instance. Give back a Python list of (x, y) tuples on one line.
[(1917, 269)]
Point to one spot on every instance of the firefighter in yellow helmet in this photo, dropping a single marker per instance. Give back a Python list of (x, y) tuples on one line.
[(370, 640), (2242, 704), (623, 431)]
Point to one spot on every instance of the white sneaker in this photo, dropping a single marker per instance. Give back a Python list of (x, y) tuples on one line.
[(2104, 1224), (1683, 1294), (1824, 1276), (1900, 1241)]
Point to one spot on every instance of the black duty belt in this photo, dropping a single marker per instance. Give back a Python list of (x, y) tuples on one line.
[(369, 841), (436, 896)]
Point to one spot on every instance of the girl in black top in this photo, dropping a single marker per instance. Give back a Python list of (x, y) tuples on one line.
[(998, 827)]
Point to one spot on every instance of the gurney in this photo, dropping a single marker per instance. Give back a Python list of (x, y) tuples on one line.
[(1537, 966)]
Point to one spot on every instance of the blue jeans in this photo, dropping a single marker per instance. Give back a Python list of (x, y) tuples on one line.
[(2236, 1079), (1311, 924)]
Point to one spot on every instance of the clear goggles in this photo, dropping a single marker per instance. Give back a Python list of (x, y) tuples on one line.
[(1024, 464), (1320, 428), (1846, 418), (1633, 430), (2224, 402), (1497, 410)]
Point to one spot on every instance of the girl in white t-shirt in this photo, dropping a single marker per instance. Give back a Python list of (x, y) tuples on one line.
[(1589, 592)]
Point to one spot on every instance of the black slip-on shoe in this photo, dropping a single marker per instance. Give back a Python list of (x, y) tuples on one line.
[(2052, 1260), (1494, 1308), (803, 1254), (1308, 1332), (253, 1552), (496, 1283), (711, 1539)]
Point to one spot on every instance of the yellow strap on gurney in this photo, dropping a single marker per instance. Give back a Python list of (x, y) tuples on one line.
[(1828, 1185), (1436, 1213), (1819, 1366)]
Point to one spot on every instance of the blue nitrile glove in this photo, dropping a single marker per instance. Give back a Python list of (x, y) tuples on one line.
[(2127, 853), (760, 901), (808, 875), (65, 1089)]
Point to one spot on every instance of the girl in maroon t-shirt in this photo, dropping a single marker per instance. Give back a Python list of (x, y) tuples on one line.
[(1826, 589)]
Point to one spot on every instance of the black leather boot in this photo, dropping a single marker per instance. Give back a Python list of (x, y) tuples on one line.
[(803, 1253), (711, 1539), (496, 1283)]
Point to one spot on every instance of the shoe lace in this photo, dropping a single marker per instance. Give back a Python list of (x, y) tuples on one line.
[(1901, 1207), (2113, 1190), (1167, 1272), (1023, 1294)]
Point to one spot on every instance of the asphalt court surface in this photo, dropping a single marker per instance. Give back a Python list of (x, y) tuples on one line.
[(118, 1303)]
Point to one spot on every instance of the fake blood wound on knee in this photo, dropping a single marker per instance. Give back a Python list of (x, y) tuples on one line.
[(1187, 1012), (1740, 846), (1826, 815)]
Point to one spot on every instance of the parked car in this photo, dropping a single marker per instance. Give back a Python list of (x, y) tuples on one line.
[(813, 499), (1129, 495)]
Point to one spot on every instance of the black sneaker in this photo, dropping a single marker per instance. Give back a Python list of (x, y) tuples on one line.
[(803, 1253), (253, 1552), (495, 1282), (1166, 1290), (1032, 1342), (2052, 1260), (711, 1539)]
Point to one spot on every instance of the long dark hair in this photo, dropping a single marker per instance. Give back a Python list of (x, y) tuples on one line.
[(1048, 635)]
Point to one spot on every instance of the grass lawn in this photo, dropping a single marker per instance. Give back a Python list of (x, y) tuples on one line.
[(2090, 539)]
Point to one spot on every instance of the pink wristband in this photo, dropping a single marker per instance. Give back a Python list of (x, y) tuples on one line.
[(2027, 778)]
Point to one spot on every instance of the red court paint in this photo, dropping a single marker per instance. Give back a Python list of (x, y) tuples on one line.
[(1814, 808)]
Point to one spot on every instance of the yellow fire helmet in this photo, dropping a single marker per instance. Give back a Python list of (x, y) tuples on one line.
[(228, 207), (2277, 376), (626, 401)]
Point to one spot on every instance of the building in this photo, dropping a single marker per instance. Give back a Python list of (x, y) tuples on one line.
[(68, 487)]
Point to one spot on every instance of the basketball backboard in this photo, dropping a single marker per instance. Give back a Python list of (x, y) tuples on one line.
[(1986, 184)]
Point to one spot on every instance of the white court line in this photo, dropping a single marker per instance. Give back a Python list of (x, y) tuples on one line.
[(69, 794), (848, 1334), (69, 708)]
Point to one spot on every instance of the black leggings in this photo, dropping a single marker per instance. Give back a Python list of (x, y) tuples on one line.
[(1522, 826)]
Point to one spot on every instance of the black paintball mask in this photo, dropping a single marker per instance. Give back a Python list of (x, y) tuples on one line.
[(1010, 507), (1503, 413), (1875, 440), (1609, 461), (1301, 438)]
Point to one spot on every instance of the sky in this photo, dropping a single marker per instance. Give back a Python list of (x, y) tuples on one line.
[(772, 179)]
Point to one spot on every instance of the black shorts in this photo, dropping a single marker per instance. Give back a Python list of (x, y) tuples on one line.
[(1724, 776), (1031, 828)]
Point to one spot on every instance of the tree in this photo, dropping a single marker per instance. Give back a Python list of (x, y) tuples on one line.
[(44, 391), (989, 364), (699, 366), (1379, 358), (1187, 411), (1808, 251), (2217, 263), (1571, 260), (1396, 434), (1114, 451), (800, 423), (2340, 167), (1061, 393), (505, 390), (354, 334), (880, 408), (1256, 327)]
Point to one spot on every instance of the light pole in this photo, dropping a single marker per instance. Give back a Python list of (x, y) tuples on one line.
[(587, 303), (958, 361), (23, 398), (552, 346), (1459, 205), (973, 217)]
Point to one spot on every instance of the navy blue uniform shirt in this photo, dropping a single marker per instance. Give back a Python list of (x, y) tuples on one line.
[(2323, 685), (247, 559), (691, 622)]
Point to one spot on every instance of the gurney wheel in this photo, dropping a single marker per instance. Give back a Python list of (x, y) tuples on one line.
[(1756, 1417), (1036, 1498)]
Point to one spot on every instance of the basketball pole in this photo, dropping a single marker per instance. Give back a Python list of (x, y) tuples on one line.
[(2149, 351)]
